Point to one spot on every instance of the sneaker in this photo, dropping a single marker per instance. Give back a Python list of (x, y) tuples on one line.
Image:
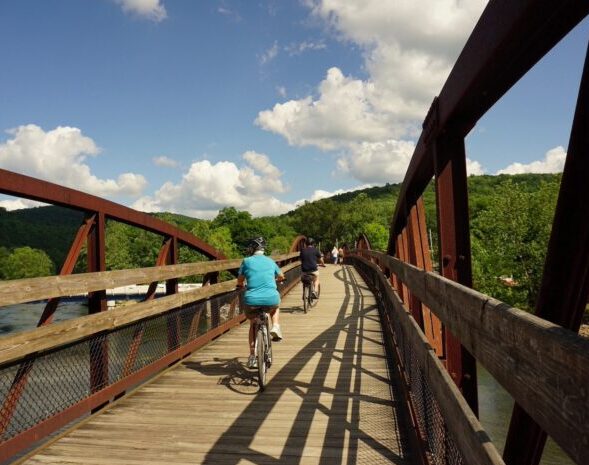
[(314, 294), (276, 333), (252, 362)]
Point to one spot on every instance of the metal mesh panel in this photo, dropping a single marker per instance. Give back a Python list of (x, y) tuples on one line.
[(440, 447), (47, 384)]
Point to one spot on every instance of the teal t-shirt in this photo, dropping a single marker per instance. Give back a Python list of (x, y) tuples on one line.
[(260, 274)]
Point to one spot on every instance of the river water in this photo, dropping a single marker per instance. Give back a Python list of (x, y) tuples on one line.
[(495, 404)]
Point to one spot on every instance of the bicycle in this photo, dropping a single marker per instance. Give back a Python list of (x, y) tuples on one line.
[(309, 299), (263, 344)]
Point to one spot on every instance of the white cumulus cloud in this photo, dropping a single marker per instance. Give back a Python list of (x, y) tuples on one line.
[(343, 114), (553, 162), (206, 188), (59, 156), (474, 168), (149, 9), (378, 162), (407, 62)]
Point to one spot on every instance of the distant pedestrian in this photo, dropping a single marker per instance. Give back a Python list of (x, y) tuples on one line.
[(334, 255), (340, 255)]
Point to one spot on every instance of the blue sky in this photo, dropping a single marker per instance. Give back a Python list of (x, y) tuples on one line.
[(191, 106)]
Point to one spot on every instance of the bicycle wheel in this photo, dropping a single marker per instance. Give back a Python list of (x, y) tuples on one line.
[(313, 300), (260, 352), (306, 292), (268, 347)]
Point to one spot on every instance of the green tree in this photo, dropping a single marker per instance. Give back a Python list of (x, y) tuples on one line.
[(509, 239), (25, 262), (378, 235)]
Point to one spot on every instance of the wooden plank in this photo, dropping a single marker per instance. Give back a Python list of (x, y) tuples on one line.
[(32, 289), (328, 400), (15, 347), (540, 364)]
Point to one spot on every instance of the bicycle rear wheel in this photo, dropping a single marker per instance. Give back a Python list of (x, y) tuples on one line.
[(313, 300), (260, 352), (306, 292)]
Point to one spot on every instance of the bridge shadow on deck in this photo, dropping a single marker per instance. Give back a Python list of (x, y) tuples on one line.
[(343, 431)]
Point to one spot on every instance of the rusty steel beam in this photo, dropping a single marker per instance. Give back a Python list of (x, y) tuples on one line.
[(35, 189), (508, 40), (454, 255), (161, 260), (565, 282), (68, 266)]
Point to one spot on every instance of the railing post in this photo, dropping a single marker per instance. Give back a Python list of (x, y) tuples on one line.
[(97, 304), (454, 255)]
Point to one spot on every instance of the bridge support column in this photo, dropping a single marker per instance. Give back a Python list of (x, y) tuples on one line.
[(454, 249)]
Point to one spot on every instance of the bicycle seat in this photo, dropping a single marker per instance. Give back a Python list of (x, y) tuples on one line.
[(307, 278)]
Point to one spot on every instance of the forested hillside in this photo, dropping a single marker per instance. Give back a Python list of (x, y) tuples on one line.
[(510, 224)]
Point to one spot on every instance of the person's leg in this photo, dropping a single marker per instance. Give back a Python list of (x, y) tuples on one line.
[(315, 282), (251, 361), (275, 315), (252, 337), (276, 331)]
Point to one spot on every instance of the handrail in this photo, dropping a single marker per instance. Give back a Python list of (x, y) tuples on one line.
[(48, 337), (32, 289), (526, 354), (464, 427)]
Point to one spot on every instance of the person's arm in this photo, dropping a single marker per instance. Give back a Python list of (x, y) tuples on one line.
[(240, 277), (279, 275), (320, 258), (240, 281)]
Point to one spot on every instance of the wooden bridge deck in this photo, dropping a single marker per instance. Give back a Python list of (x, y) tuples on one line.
[(329, 400)]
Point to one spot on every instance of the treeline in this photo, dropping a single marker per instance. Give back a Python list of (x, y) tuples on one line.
[(510, 219)]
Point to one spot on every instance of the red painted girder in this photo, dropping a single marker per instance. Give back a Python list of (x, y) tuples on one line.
[(35, 189)]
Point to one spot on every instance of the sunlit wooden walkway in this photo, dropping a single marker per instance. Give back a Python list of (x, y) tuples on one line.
[(329, 400)]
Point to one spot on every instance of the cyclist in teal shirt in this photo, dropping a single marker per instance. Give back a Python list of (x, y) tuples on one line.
[(260, 273)]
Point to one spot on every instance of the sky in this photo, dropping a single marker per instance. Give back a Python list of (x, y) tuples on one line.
[(192, 106)]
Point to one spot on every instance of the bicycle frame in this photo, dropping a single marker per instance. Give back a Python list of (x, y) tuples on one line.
[(263, 345)]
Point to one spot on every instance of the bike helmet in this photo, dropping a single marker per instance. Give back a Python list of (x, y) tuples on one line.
[(257, 243), (310, 241)]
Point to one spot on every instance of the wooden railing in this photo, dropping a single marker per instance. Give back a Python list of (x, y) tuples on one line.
[(543, 366), (56, 373)]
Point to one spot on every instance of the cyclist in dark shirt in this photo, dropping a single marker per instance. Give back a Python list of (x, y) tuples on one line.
[(309, 258)]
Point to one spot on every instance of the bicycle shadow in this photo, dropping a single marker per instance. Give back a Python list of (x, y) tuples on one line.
[(293, 309), (232, 373)]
